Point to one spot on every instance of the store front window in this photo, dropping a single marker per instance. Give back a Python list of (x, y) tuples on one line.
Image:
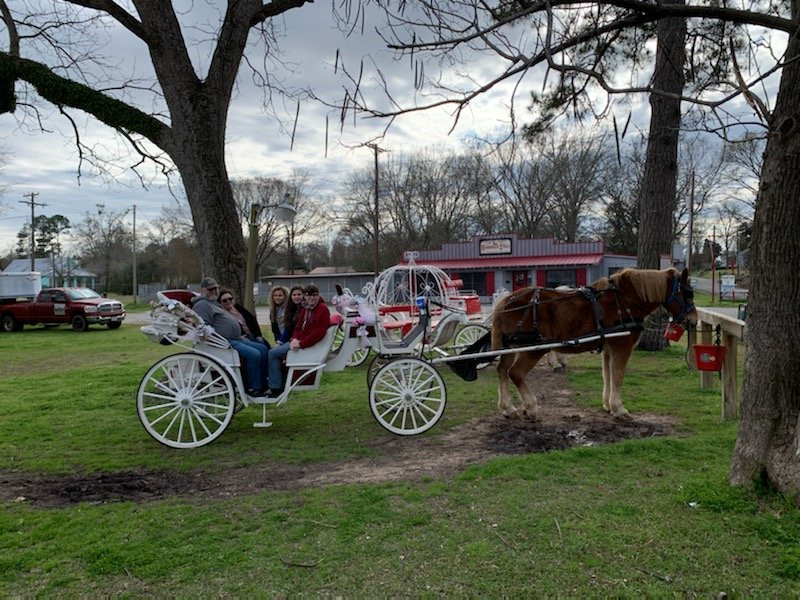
[(557, 277), (474, 281)]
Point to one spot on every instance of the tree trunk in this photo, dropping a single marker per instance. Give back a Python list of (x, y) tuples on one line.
[(768, 445), (657, 195), (657, 192), (201, 162)]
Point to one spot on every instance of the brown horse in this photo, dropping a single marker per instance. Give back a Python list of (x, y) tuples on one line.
[(611, 305)]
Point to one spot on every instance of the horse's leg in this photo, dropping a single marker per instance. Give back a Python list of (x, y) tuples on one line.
[(504, 398), (518, 373), (606, 379), (620, 354)]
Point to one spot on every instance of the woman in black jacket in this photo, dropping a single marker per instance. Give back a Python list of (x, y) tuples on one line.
[(244, 317)]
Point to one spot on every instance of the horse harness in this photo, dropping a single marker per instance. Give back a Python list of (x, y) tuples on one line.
[(625, 321)]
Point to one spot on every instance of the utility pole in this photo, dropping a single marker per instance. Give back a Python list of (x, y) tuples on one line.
[(135, 281), (376, 253), (33, 204)]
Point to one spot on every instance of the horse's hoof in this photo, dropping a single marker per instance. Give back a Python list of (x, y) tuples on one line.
[(560, 369), (511, 415), (623, 415)]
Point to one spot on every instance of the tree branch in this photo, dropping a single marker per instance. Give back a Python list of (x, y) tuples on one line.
[(65, 92), (118, 13)]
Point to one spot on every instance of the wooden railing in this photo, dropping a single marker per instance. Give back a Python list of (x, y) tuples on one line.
[(732, 330)]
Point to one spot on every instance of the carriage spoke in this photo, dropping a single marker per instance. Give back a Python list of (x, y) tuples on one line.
[(198, 414), (175, 418), (167, 413), (202, 411), (170, 403)]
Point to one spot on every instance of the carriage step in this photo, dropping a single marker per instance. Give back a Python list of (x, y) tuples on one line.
[(263, 424)]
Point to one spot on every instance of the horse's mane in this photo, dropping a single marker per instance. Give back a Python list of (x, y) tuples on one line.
[(650, 285)]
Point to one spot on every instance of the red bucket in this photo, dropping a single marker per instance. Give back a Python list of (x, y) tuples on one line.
[(709, 357), (673, 332)]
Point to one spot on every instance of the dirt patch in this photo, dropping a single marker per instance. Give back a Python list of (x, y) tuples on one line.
[(562, 425)]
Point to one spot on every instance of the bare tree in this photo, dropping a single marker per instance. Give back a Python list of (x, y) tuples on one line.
[(424, 201), (743, 162), (104, 240), (523, 191), (176, 118)]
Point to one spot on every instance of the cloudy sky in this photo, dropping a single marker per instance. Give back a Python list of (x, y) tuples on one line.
[(258, 144)]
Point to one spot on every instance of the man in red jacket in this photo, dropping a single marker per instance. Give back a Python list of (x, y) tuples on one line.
[(310, 327)]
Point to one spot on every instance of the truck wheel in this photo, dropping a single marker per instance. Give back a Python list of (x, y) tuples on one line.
[(114, 325), (79, 323), (9, 323)]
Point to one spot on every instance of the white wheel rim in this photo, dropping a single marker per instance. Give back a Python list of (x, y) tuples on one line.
[(407, 396), (468, 335), (185, 400), (358, 357), (338, 340)]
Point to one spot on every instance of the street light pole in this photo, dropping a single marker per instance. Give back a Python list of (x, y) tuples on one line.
[(252, 241), (135, 279), (375, 222), (284, 213)]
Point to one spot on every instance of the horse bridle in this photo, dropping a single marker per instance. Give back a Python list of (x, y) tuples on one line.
[(679, 292)]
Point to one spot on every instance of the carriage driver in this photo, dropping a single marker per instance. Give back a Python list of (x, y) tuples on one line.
[(254, 354), (311, 325)]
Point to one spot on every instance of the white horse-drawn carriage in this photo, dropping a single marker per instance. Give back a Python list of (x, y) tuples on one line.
[(187, 399)]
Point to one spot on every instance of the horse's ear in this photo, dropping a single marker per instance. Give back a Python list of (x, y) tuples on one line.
[(685, 276)]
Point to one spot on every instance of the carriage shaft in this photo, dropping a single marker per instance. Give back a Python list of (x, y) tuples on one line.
[(549, 346)]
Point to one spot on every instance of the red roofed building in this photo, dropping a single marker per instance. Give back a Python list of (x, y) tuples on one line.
[(487, 264)]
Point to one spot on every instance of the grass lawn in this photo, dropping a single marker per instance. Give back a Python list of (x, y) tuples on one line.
[(644, 517)]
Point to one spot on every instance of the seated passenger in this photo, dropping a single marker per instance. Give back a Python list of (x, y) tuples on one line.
[(246, 319), (254, 354), (310, 327), (284, 307)]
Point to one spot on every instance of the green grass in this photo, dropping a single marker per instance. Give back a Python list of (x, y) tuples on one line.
[(651, 517)]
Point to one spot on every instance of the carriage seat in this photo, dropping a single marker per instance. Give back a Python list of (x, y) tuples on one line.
[(318, 353)]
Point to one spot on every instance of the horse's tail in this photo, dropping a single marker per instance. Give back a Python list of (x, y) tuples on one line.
[(497, 321)]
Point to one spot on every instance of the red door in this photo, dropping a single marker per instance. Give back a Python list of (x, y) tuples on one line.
[(519, 279)]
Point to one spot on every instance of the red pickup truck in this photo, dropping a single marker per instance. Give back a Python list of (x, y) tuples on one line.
[(79, 307)]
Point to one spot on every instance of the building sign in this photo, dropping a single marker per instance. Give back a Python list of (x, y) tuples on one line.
[(495, 246)]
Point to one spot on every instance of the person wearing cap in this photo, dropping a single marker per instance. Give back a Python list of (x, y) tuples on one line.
[(254, 354), (310, 327)]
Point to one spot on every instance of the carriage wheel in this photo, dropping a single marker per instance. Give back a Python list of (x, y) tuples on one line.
[(469, 334), (358, 358), (407, 396), (185, 400), (377, 363)]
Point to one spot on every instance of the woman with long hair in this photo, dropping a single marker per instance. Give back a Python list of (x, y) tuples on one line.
[(278, 303), (290, 317)]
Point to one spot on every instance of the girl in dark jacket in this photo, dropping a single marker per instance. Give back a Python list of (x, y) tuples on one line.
[(293, 306)]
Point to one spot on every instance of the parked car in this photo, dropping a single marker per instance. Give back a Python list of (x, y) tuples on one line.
[(80, 307)]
